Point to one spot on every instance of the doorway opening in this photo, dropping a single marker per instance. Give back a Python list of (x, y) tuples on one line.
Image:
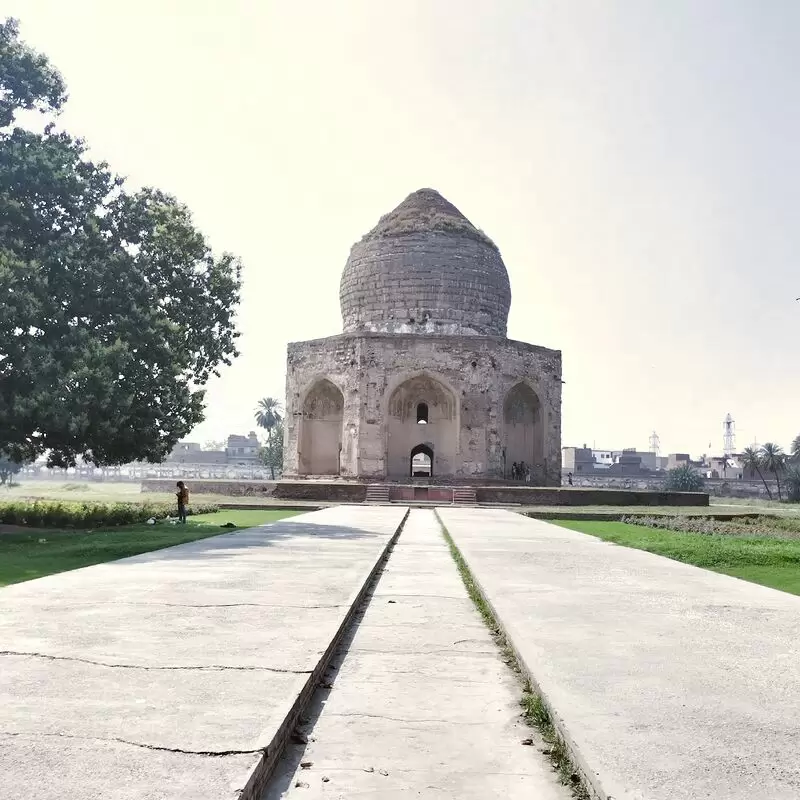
[(422, 462)]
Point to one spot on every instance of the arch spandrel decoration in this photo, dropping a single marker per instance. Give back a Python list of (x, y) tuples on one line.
[(422, 390)]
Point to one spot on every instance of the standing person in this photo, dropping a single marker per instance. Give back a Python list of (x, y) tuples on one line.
[(183, 501), (569, 478)]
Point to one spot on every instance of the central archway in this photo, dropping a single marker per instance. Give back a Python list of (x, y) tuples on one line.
[(421, 412), (421, 462)]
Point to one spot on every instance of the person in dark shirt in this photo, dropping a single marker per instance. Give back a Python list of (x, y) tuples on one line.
[(183, 501)]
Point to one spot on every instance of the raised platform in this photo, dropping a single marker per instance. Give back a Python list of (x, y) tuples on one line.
[(508, 494), (667, 681), (179, 673)]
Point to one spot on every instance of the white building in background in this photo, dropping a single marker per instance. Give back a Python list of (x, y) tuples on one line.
[(603, 459)]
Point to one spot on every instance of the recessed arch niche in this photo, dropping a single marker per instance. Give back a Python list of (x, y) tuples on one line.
[(523, 432), (321, 429)]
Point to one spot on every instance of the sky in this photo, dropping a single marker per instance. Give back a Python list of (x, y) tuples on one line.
[(636, 161)]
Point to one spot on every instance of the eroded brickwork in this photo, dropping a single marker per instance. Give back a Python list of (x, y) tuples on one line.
[(479, 371), (430, 284)]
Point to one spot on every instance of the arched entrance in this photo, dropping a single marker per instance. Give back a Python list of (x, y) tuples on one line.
[(421, 412), (321, 430), (421, 462), (523, 431)]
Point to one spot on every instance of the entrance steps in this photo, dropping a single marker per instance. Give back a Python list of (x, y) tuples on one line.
[(464, 496), (377, 493)]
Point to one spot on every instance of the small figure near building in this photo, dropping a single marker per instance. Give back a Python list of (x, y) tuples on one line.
[(183, 501)]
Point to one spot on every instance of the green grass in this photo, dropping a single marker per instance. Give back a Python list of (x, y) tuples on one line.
[(243, 518), (25, 555), (772, 562)]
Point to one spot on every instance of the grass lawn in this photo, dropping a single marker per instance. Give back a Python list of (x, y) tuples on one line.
[(23, 554), (773, 562)]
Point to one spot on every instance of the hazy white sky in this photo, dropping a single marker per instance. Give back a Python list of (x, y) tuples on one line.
[(636, 161)]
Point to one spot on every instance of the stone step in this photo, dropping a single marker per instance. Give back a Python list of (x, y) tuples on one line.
[(377, 493), (465, 495)]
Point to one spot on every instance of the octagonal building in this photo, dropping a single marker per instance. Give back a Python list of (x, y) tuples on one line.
[(422, 382)]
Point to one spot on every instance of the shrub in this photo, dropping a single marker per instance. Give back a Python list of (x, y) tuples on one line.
[(684, 479), (52, 514), (756, 526), (792, 481)]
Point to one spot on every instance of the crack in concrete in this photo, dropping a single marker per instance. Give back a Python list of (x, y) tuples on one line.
[(211, 753), (205, 667)]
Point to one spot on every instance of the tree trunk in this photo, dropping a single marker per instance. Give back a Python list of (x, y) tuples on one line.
[(778, 481), (766, 485)]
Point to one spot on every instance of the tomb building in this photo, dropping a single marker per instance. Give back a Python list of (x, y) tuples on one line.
[(423, 382)]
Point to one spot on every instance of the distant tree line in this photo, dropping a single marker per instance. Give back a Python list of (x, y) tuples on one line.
[(767, 461)]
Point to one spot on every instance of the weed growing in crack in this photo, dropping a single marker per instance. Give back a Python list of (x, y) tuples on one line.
[(537, 715), (534, 710)]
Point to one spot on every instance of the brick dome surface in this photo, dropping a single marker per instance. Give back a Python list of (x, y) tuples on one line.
[(425, 268)]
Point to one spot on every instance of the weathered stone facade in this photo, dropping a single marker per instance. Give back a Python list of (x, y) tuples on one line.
[(423, 368)]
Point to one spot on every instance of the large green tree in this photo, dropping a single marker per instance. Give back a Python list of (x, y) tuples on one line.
[(114, 313)]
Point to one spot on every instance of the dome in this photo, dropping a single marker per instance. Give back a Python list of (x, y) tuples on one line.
[(425, 268)]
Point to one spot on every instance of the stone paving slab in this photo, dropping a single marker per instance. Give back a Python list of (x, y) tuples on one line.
[(671, 681), (166, 675), (422, 704)]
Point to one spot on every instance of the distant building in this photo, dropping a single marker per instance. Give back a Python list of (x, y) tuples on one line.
[(609, 462), (193, 453), (647, 459), (628, 462), (577, 459), (603, 459), (240, 450), (243, 449)]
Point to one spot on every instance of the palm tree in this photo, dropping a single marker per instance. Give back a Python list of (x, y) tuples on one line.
[(796, 448), (751, 459), (268, 416), (774, 460)]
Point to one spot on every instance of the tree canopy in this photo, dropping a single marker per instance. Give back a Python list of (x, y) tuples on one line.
[(114, 312), (683, 478)]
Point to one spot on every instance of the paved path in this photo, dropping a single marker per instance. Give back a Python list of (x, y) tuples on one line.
[(673, 682), (165, 675), (422, 705)]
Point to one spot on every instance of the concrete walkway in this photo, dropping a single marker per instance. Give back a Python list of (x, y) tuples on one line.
[(168, 675), (672, 682), (422, 704)]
